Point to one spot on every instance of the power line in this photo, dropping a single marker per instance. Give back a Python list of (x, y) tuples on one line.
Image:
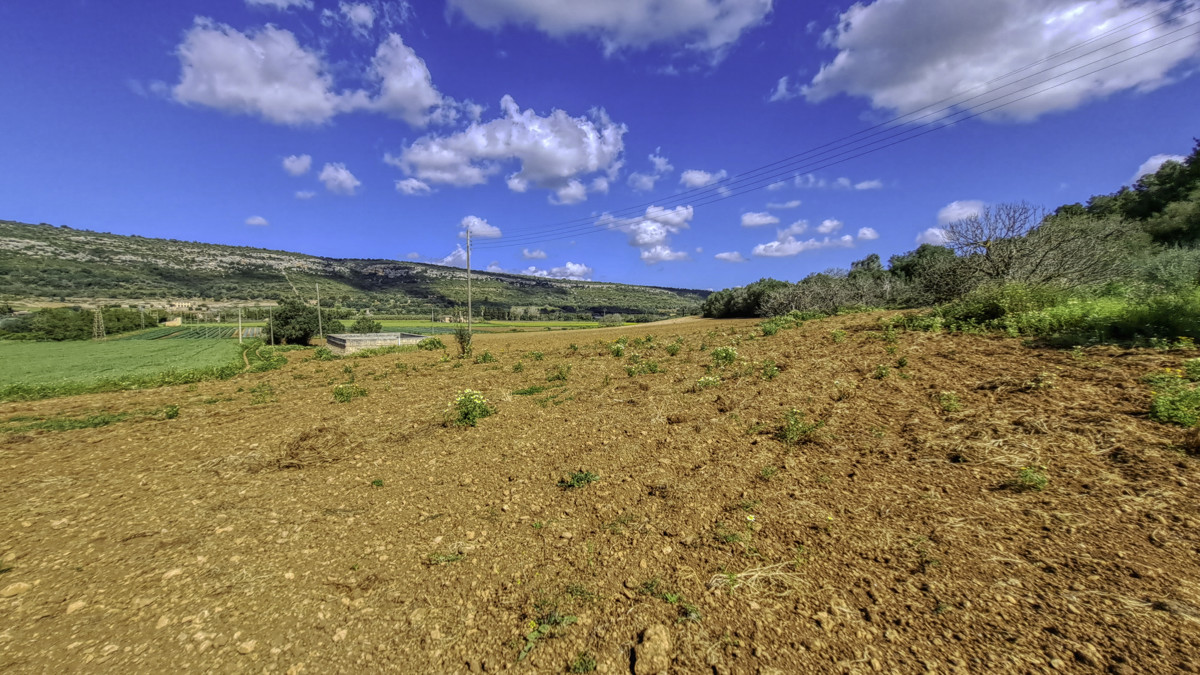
[(763, 176), (725, 183)]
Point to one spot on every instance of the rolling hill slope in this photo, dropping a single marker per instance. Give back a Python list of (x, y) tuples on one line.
[(44, 261)]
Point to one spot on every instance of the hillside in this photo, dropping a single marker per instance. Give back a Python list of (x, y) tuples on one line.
[(43, 261), (936, 503)]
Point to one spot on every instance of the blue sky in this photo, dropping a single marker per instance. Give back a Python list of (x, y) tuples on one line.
[(600, 140)]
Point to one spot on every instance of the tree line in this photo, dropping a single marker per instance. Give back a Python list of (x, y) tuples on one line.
[(1140, 242)]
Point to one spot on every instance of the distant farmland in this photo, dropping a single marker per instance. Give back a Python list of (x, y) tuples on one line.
[(80, 364)]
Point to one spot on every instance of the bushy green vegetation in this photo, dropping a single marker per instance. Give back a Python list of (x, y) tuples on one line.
[(468, 408), (75, 323), (1124, 267)]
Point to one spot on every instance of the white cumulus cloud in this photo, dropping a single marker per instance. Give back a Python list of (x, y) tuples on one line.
[(652, 231), (933, 235), (576, 271), (571, 193), (702, 25), (406, 88), (269, 74), (758, 219), (869, 185), (731, 256), (661, 253), (266, 73), (412, 186), (280, 4), (791, 246), (644, 182), (867, 234), (696, 178), (361, 16), (783, 205), (552, 150), (829, 226), (257, 221), (297, 165), (478, 227), (959, 210), (904, 55), (1155, 163), (535, 254), (338, 179)]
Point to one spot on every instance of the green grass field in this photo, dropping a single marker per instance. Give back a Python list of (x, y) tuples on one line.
[(79, 364)]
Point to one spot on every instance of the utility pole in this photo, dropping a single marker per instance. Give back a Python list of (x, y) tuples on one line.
[(468, 280), (320, 331)]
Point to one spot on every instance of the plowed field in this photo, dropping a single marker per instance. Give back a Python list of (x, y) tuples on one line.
[(270, 528)]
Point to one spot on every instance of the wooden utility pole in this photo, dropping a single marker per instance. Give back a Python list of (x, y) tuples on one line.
[(320, 331), (468, 281)]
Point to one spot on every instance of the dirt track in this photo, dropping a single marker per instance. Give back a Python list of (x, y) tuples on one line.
[(247, 534)]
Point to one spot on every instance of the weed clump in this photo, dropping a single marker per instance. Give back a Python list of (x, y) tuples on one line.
[(344, 393), (1030, 479), (324, 354), (1175, 399), (558, 374), (949, 402), (724, 356), (578, 479), (794, 429), (485, 357), (468, 408)]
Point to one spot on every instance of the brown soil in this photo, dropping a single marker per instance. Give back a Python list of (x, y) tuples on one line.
[(246, 534)]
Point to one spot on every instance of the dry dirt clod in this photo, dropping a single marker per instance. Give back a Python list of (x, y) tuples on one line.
[(247, 646), (13, 590), (653, 656)]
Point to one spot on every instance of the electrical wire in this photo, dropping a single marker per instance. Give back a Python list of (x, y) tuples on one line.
[(842, 151)]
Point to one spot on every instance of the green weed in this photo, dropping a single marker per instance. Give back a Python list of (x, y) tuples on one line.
[(578, 479), (1030, 478), (468, 408), (794, 429), (949, 402), (344, 393)]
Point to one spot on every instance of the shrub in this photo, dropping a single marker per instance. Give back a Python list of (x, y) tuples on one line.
[(724, 356), (468, 408), (324, 354), (463, 337), (366, 325), (344, 393), (1175, 403), (431, 344)]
